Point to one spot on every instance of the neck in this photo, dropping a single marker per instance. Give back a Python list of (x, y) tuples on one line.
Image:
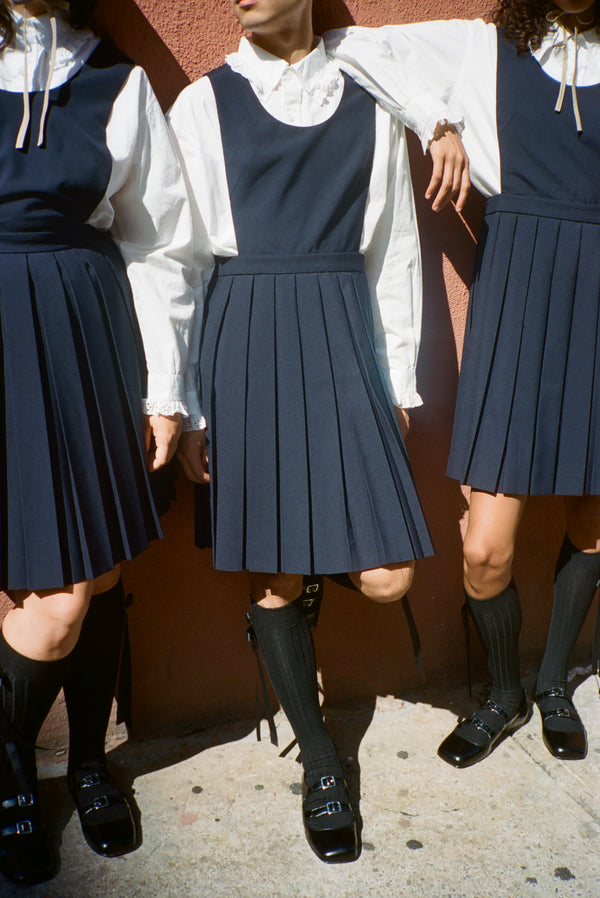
[(292, 42), (582, 21)]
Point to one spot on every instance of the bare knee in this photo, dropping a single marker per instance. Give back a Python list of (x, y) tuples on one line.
[(385, 584), (487, 566), (275, 590), (46, 625)]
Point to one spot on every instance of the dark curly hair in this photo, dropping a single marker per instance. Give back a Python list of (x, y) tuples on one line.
[(81, 12), (524, 22)]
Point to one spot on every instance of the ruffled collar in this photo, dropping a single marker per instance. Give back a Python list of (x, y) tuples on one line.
[(550, 54), (316, 74), (73, 47)]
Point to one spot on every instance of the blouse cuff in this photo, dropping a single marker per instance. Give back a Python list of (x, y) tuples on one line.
[(194, 422), (164, 407), (404, 388)]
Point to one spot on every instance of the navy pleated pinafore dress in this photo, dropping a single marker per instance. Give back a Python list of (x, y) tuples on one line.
[(309, 471), (528, 410), (74, 496)]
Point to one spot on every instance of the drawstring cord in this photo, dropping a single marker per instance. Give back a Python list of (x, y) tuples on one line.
[(24, 127), (554, 17)]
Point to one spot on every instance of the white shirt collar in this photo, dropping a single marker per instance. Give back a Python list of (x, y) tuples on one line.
[(74, 46), (316, 73), (550, 54)]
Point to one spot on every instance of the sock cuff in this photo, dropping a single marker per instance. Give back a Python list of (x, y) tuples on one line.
[(285, 617), (507, 597), (568, 550)]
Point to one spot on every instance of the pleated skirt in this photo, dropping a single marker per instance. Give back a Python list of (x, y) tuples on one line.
[(528, 410), (75, 497), (309, 470)]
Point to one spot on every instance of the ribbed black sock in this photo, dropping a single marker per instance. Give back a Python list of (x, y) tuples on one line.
[(286, 647), (29, 688), (575, 584), (498, 621), (90, 685)]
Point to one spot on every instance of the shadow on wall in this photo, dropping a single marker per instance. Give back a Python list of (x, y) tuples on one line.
[(330, 14), (130, 30)]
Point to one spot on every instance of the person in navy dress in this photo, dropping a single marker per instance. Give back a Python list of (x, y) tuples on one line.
[(302, 185), (91, 197), (527, 417)]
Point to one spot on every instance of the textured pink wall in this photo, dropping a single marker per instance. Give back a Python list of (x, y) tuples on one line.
[(191, 662)]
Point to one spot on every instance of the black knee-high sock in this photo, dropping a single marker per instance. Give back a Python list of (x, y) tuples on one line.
[(90, 685), (576, 580), (29, 688), (286, 647), (498, 621)]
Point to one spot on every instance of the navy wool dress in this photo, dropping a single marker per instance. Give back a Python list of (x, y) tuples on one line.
[(528, 410), (309, 471), (74, 496)]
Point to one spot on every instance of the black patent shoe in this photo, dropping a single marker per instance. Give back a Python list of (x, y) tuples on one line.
[(25, 855), (460, 751), (568, 745), (329, 821), (105, 816)]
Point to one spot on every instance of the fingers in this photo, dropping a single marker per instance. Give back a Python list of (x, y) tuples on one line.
[(465, 187), (193, 456), (450, 175), (161, 439)]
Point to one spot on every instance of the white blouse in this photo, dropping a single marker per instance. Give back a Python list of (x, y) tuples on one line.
[(457, 60), (145, 206), (305, 94)]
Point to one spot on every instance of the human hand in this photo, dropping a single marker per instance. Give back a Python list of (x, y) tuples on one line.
[(161, 433), (450, 176), (193, 455)]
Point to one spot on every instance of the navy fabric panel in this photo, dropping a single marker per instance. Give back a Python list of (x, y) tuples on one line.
[(74, 493), (528, 412), (541, 152), (292, 189), (308, 469)]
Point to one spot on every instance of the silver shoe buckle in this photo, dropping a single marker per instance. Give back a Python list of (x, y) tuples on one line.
[(92, 779), (326, 782), (333, 807), (25, 800), (24, 827), (98, 803)]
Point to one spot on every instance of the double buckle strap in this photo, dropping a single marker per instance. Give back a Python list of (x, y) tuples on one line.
[(559, 692), (332, 807), (24, 800), (101, 801), (479, 724), (91, 779), (20, 828)]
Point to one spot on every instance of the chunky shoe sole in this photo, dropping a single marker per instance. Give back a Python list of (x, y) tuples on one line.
[(460, 752), (566, 745), (335, 844), (106, 820)]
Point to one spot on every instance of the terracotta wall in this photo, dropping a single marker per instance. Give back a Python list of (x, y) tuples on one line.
[(191, 661)]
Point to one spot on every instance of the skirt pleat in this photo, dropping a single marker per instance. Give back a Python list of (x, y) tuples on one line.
[(309, 471), (527, 408), (78, 498)]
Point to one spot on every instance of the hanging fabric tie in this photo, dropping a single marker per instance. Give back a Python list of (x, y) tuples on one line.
[(554, 17), (24, 127)]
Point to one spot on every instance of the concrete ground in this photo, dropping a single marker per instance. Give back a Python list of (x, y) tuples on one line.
[(220, 813)]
